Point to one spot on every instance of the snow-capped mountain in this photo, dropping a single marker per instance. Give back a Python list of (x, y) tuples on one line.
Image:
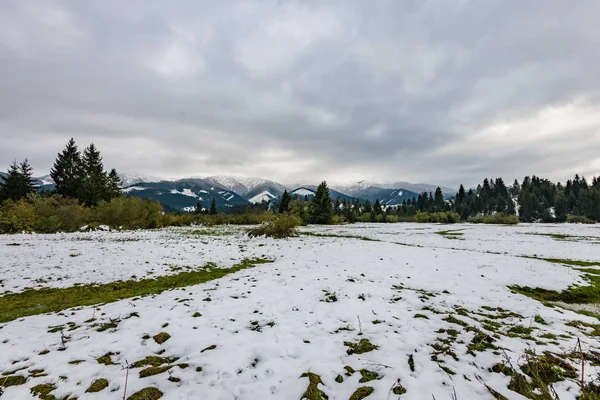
[(355, 189), (309, 191), (131, 179), (390, 197), (184, 194), (255, 190)]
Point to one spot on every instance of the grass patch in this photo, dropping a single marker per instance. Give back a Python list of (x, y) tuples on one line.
[(105, 359), (481, 342), (399, 390), (148, 393), (542, 371), (421, 316), (97, 386), (451, 234), (312, 391), (411, 363), (574, 263), (368, 376), (43, 391), (162, 337), (332, 235), (151, 371), (361, 393), (12, 380), (363, 346), (45, 300), (154, 361)]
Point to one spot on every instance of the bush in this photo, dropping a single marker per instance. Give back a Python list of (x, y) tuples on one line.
[(497, 218), (579, 219), (281, 227), (449, 217), (248, 218), (391, 218), (49, 214)]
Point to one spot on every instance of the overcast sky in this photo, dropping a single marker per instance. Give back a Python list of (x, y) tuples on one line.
[(444, 92)]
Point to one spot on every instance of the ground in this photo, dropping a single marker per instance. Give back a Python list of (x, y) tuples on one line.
[(417, 311)]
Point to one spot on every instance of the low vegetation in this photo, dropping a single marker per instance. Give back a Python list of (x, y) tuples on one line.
[(281, 227), (40, 301), (497, 218)]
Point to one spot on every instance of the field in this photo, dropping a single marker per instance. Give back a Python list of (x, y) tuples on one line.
[(377, 311)]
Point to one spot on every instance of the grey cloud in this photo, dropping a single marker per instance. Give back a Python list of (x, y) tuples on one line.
[(344, 90)]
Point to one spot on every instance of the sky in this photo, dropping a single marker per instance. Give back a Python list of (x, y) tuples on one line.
[(443, 92)]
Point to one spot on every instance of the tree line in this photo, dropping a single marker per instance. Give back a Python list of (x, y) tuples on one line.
[(80, 179), (533, 200), (76, 175)]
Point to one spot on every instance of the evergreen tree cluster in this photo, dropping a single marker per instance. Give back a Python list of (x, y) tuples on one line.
[(18, 183), (82, 176)]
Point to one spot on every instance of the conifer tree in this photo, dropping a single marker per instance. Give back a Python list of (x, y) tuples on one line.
[(9, 185), (377, 207), (27, 184), (213, 207), (18, 183), (198, 208), (284, 204), (113, 188), (320, 209), (95, 179), (439, 200), (67, 171)]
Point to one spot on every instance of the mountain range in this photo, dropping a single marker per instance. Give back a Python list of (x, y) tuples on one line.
[(230, 192)]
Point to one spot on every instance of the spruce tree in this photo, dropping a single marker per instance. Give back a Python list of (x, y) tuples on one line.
[(198, 208), (320, 208), (213, 207), (11, 183), (27, 184), (377, 209), (67, 172), (113, 188), (284, 204), (439, 200), (95, 179)]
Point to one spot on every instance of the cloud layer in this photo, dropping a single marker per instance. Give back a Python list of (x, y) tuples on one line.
[(445, 92)]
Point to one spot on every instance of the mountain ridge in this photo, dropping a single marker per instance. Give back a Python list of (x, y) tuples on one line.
[(238, 191)]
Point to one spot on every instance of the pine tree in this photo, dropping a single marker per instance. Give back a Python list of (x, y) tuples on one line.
[(18, 183), (9, 186), (377, 209), (439, 199), (198, 208), (320, 208), (95, 179), (367, 208), (284, 204), (336, 208), (213, 207), (27, 184), (67, 172), (113, 188)]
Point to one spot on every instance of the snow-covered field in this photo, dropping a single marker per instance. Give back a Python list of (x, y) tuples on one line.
[(274, 322)]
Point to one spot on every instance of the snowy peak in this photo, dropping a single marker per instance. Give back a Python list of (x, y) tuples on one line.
[(359, 188), (262, 196), (251, 189), (131, 179), (301, 192)]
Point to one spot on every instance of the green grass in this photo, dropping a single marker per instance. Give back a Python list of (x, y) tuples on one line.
[(575, 263), (339, 236), (360, 347), (149, 393), (46, 300), (451, 234), (573, 295)]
